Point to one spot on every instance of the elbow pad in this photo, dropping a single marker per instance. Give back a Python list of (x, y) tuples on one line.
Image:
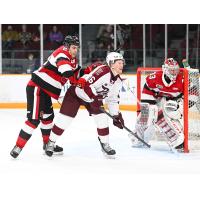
[(68, 74)]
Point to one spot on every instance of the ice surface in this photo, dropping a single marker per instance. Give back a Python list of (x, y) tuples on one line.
[(83, 173)]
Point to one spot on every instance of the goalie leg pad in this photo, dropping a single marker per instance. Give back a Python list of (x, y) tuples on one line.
[(147, 116), (171, 128), (145, 121)]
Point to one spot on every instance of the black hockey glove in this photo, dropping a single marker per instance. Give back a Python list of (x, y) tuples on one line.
[(118, 121)]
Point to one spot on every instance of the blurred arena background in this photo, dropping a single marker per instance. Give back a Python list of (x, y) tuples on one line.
[(25, 46)]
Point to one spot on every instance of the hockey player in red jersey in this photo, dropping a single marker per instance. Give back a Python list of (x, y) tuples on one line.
[(102, 82), (46, 82), (161, 106)]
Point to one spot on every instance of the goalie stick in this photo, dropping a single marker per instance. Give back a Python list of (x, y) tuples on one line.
[(127, 129)]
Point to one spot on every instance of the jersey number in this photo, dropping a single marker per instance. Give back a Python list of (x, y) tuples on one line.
[(92, 79), (152, 76)]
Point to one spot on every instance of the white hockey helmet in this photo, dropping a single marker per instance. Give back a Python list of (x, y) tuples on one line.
[(171, 68), (112, 57)]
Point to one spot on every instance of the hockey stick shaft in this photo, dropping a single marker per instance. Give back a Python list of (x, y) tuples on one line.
[(129, 89), (127, 129)]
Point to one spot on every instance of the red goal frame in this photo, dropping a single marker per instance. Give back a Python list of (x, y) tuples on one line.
[(185, 104)]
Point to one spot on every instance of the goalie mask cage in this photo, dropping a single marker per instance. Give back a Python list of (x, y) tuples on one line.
[(191, 104)]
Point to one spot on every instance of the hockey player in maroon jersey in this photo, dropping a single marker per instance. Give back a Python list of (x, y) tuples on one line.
[(46, 82), (104, 81), (161, 106)]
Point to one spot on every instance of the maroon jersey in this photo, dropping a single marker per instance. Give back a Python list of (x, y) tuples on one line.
[(155, 87), (55, 72), (101, 82)]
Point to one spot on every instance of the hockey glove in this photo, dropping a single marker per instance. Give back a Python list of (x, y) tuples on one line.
[(91, 67), (88, 69), (118, 121), (96, 104), (81, 83)]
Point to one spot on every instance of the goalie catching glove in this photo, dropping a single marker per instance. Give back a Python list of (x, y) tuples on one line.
[(173, 109), (118, 121)]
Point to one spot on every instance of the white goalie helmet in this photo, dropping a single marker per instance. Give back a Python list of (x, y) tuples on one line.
[(171, 69), (112, 57)]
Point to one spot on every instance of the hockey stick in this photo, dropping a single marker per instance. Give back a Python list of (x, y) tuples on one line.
[(127, 129), (118, 49), (129, 89)]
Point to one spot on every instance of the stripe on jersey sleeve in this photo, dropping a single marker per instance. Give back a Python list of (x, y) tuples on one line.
[(49, 80), (64, 67), (61, 55)]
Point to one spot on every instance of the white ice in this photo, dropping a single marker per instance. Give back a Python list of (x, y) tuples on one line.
[(83, 173)]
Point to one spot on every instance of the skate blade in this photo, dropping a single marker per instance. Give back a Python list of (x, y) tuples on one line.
[(54, 153), (137, 146), (108, 156), (58, 153), (177, 151)]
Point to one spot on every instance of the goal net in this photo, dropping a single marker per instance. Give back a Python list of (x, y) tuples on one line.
[(191, 105)]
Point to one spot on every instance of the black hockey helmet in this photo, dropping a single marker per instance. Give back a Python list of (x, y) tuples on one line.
[(71, 40)]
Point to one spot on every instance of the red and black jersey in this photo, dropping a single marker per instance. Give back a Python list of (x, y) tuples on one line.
[(155, 88), (59, 67)]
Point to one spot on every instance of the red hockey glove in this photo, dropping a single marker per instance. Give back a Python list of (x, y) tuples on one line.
[(91, 67), (88, 69), (118, 121), (81, 83), (73, 80)]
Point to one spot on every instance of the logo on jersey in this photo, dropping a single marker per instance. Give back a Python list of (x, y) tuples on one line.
[(104, 92), (112, 82), (159, 86), (174, 88)]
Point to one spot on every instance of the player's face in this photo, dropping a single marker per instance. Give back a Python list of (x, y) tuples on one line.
[(118, 66), (73, 50), (173, 72)]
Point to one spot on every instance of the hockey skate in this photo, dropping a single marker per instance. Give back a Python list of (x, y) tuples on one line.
[(135, 142), (15, 151), (56, 151), (180, 148), (107, 150), (50, 148)]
